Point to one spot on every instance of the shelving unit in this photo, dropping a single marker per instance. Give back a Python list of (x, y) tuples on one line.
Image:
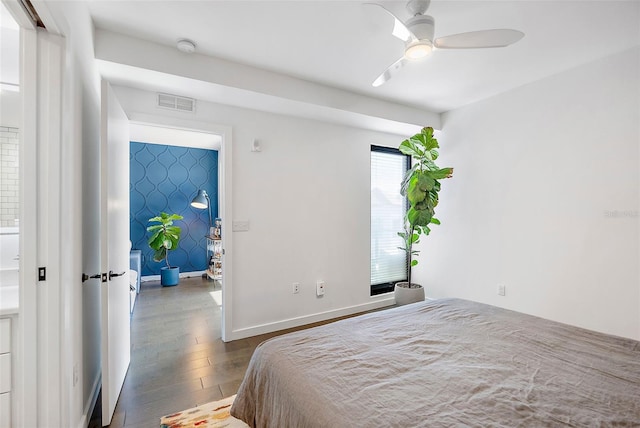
[(214, 255)]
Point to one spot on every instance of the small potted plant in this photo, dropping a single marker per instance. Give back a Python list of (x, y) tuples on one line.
[(164, 238), (420, 186)]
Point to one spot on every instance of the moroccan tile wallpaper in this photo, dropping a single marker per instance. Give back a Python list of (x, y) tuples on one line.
[(167, 178)]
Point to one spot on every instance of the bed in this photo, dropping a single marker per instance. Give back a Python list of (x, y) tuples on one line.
[(446, 362)]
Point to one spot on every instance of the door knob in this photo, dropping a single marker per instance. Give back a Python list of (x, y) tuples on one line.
[(111, 274)]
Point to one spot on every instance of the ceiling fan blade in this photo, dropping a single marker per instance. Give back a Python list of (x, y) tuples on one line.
[(389, 72), (399, 29), (479, 39)]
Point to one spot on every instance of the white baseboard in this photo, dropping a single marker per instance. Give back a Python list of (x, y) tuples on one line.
[(182, 275), (91, 403), (83, 422), (309, 319)]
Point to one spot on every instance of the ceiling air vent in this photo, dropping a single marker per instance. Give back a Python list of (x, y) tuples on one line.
[(174, 102)]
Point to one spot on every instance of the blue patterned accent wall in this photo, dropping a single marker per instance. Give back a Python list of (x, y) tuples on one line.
[(167, 178)]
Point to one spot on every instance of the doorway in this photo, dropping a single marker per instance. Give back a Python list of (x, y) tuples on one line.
[(150, 124), (163, 129)]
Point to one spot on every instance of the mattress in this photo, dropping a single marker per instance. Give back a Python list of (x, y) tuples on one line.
[(447, 362)]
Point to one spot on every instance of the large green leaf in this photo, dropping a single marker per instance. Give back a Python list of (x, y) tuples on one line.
[(154, 227), (424, 181), (173, 230), (167, 243), (426, 139), (411, 147), (432, 197), (442, 173), (160, 254), (174, 217), (419, 217), (415, 194), (156, 241), (404, 186)]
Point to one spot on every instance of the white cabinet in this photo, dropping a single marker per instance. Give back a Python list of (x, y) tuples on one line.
[(5, 410), (5, 335), (5, 372)]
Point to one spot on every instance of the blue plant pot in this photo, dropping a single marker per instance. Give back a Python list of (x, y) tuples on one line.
[(169, 276)]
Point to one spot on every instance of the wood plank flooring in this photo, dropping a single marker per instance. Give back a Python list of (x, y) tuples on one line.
[(178, 359)]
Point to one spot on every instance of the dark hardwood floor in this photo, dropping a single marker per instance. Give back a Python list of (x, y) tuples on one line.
[(178, 359)]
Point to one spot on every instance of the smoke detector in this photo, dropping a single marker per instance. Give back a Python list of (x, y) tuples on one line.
[(186, 46)]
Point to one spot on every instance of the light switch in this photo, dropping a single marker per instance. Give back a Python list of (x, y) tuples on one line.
[(240, 225)]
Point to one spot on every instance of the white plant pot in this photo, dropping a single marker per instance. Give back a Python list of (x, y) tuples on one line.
[(405, 295)]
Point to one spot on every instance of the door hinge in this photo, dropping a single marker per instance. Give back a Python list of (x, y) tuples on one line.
[(42, 273)]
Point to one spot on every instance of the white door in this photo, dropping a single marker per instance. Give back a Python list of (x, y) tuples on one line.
[(114, 249)]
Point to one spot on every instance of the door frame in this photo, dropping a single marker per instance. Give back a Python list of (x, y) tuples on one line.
[(26, 378), (38, 381), (226, 202)]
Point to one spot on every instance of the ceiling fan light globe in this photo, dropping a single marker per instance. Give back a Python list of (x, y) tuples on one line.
[(418, 50)]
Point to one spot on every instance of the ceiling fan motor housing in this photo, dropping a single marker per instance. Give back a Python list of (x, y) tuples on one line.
[(422, 26)]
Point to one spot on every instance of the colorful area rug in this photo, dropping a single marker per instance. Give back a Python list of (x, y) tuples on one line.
[(210, 415)]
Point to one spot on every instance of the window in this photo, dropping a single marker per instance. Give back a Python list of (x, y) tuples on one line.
[(388, 208)]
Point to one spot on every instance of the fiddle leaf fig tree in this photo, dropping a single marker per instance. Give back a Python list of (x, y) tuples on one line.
[(165, 236), (420, 186)]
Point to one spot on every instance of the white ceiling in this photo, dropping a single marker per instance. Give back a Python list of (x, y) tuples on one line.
[(346, 45)]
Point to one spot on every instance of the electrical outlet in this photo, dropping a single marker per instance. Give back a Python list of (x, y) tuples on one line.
[(296, 287), (320, 288), (502, 290)]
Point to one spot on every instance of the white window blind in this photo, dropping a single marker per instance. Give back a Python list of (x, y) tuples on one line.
[(388, 207)]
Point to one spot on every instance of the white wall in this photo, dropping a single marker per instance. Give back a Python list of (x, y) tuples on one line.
[(10, 108), (307, 198), (540, 172)]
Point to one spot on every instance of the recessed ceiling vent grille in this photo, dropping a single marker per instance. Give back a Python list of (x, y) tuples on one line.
[(174, 102)]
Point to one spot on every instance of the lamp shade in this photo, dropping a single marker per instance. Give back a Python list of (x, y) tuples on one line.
[(200, 201)]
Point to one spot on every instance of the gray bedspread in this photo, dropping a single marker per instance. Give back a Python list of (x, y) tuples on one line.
[(442, 363)]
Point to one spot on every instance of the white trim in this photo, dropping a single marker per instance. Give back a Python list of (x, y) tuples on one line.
[(25, 398), (224, 185), (51, 398), (167, 136), (197, 273), (91, 403), (44, 12), (19, 15), (309, 319)]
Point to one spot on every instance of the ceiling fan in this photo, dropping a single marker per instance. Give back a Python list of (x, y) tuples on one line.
[(417, 34)]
